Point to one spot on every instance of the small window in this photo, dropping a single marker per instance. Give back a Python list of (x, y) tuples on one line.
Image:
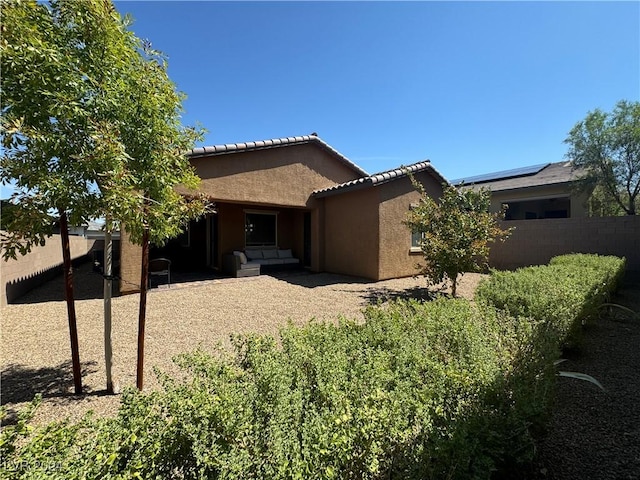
[(260, 229), (416, 238)]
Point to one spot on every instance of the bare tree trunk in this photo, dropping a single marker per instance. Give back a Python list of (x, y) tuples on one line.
[(71, 309), (108, 269), (144, 285)]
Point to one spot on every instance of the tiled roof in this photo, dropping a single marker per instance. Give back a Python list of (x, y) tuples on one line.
[(273, 143), (552, 174), (379, 179)]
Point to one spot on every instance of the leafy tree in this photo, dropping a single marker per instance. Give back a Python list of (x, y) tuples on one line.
[(156, 164), (138, 191), (54, 131), (599, 204), (90, 126), (456, 232), (607, 147)]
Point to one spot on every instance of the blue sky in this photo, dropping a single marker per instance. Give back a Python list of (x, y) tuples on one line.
[(475, 87)]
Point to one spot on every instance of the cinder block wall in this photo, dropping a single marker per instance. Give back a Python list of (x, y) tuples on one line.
[(130, 264), (535, 242), (19, 276)]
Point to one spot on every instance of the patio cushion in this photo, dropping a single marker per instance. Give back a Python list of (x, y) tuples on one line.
[(249, 266), (253, 254), (268, 254), (272, 258), (231, 265), (270, 261), (243, 257)]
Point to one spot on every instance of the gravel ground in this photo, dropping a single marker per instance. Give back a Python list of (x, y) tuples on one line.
[(591, 435), (35, 334)]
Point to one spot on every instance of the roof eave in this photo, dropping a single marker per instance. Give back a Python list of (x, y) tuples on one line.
[(359, 184), (381, 178), (477, 186)]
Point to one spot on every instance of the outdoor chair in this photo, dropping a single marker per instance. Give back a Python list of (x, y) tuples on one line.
[(158, 267)]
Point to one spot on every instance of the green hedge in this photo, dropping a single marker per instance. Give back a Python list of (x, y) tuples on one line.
[(419, 390), (565, 293), (610, 267)]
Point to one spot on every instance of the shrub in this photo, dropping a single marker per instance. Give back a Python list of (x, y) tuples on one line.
[(418, 391), (456, 232), (611, 268), (435, 390), (565, 293)]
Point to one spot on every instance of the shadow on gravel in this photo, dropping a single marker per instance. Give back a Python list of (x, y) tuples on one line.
[(87, 285), (306, 279), (20, 384), (374, 296)]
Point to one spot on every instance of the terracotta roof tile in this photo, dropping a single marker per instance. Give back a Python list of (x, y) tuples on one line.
[(272, 143), (379, 179)]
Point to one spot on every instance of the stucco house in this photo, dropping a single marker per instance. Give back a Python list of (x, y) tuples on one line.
[(298, 193), (533, 192)]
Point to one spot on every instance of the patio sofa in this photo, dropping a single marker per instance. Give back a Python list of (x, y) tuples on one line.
[(272, 258), (237, 265), (254, 261)]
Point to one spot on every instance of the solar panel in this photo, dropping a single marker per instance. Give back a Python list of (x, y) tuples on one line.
[(504, 174)]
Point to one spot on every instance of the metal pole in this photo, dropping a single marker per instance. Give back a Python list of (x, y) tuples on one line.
[(108, 269)]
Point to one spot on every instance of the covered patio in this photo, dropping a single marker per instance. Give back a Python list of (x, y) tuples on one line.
[(239, 227)]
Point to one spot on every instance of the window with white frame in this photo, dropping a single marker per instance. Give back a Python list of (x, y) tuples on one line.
[(260, 229)]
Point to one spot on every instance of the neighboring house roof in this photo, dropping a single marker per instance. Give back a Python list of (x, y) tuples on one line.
[(93, 226), (273, 143), (379, 179), (533, 176)]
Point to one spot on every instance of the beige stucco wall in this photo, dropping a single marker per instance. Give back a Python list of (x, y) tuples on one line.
[(271, 179), (26, 272), (277, 176), (396, 258), (363, 230), (346, 232), (351, 235)]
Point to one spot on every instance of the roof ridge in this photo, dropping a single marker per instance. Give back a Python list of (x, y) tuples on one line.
[(271, 143), (401, 170)]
